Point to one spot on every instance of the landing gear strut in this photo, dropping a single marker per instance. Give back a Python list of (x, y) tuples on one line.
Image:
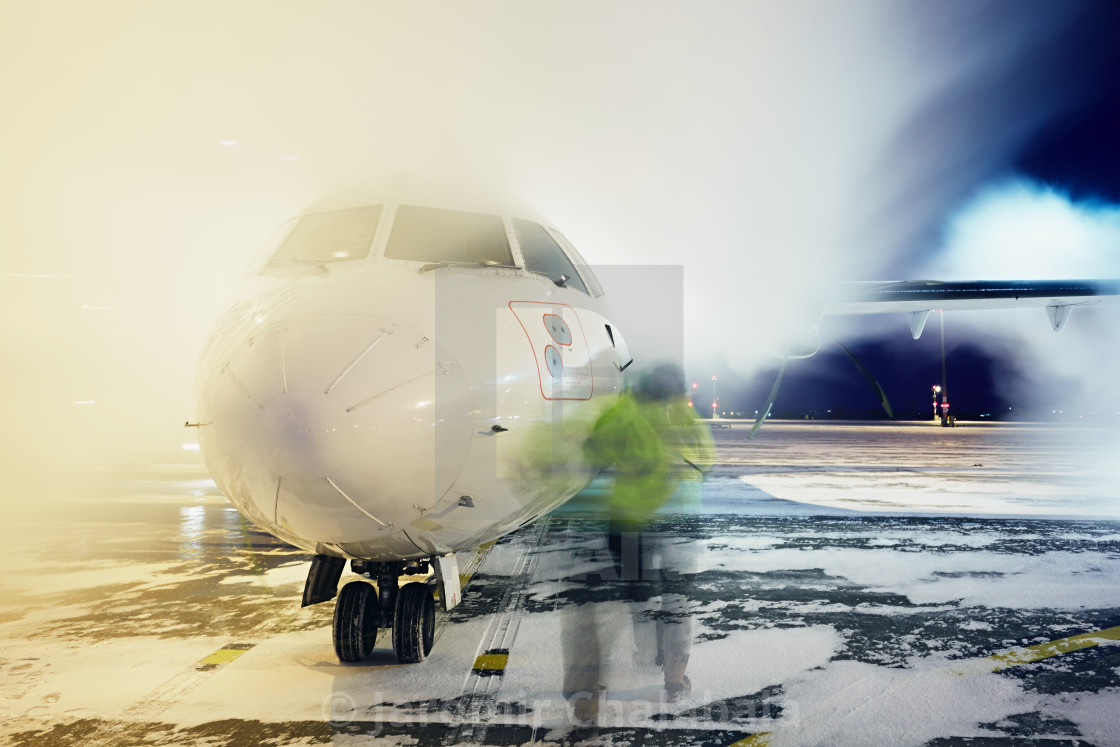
[(362, 608)]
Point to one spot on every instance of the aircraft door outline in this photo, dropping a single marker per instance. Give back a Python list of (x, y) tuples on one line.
[(560, 349)]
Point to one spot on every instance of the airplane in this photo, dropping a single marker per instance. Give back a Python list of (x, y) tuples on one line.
[(399, 381)]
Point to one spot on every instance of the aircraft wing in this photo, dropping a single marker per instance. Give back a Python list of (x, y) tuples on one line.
[(918, 297)]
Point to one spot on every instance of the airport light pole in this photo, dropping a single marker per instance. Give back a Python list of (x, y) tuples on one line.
[(715, 413), (944, 378)]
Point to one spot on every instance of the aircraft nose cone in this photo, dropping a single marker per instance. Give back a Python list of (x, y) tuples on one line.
[(334, 428), (305, 435)]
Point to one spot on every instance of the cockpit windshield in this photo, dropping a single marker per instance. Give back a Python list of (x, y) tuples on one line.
[(330, 237), (548, 253), (581, 265), (433, 235), (544, 256)]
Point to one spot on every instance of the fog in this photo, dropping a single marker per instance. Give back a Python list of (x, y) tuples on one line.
[(150, 149), (1041, 232)]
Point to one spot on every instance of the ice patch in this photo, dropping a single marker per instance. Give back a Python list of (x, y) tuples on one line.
[(743, 544), (1006, 494), (1097, 715), (974, 625), (1055, 580), (853, 703)]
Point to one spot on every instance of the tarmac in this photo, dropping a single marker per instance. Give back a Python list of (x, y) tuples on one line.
[(839, 584)]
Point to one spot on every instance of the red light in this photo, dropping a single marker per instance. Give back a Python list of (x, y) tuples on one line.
[(944, 405), (690, 403), (695, 385)]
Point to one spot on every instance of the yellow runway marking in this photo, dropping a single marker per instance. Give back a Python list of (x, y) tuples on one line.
[(223, 656), (491, 661), (1041, 651)]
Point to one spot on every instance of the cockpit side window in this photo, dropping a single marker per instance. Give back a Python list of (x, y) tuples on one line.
[(581, 265), (544, 256), (423, 234), (334, 236)]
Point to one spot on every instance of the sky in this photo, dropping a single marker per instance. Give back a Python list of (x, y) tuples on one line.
[(150, 149)]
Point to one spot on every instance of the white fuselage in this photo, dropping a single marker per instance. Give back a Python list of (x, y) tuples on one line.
[(387, 409)]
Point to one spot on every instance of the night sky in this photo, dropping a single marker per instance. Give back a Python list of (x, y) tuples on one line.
[(1074, 150)]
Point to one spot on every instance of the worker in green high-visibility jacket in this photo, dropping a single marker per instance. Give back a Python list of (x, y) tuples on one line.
[(659, 450)]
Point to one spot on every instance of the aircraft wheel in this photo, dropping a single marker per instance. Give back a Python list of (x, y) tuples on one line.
[(355, 621), (414, 624)]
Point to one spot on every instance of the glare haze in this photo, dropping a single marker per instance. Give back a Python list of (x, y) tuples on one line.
[(150, 149)]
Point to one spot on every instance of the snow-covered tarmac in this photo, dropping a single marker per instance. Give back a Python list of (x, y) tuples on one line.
[(843, 584)]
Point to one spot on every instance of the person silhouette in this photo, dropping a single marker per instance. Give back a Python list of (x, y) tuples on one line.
[(659, 450)]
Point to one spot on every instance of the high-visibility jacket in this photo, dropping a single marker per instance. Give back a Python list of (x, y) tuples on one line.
[(653, 446)]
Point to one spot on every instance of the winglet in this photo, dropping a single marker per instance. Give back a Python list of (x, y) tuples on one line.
[(1059, 313), (917, 322)]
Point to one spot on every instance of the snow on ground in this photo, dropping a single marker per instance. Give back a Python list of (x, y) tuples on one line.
[(1097, 714), (853, 703), (1053, 580), (829, 605), (933, 493)]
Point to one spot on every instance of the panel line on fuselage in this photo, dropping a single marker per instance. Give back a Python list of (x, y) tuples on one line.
[(355, 505), (355, 362), (367, 400), (414, 543), (283, 365), (276, 503), (240, 386)]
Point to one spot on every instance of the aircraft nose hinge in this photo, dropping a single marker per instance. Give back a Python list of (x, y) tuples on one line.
[(466, 502), (498, 428)]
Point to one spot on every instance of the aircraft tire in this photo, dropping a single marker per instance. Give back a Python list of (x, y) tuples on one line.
[(414, 623), (355, 621)]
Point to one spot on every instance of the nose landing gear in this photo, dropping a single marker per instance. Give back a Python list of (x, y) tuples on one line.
[(356, 615), (362, 608), (415, 625)]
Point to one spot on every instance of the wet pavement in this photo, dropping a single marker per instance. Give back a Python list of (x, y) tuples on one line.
[(841, 584)]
